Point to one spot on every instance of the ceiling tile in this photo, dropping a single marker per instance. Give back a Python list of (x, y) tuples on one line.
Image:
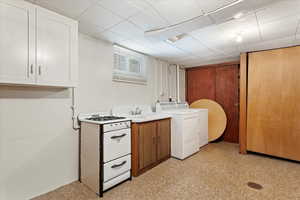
[(204, 54), (247, 27), (148, 19), (278, 11), (211, 5), (99, 16), (127, 30), (215, 38), (151, 42), (184, 28), (70, 8), (190, 44), (124, 8), (166, 50), (176, 10), (105, 19), (182, 59), (135, 45), (89, 29), (271, 44), (223, 37), (245, 7), (280, 28), (110, 36)]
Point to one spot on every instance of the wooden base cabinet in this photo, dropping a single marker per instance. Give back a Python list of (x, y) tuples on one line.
[(151, 144)]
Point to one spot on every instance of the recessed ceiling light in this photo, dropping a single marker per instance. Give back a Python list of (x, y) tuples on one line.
[(239, 39), (238, 15), (176, 38)]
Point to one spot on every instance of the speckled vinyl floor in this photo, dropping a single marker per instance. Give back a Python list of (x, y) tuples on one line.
[(218, 171)]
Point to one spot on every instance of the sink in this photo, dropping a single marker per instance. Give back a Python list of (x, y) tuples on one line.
[(148, 117)]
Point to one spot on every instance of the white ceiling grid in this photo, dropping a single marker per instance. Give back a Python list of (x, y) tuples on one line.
[(125, 21)]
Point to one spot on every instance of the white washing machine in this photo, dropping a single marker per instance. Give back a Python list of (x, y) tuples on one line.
[(189, 128)]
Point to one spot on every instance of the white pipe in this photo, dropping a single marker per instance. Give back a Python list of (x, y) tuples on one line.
[(73, 107), (178, 82), (161, 79), (167, 79)]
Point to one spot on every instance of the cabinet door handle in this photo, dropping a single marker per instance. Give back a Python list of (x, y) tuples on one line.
[(31, 69), (117, 136), (40, 70), (118, 165)]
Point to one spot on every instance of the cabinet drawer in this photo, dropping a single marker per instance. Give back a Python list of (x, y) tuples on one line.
[(116, 181), (117, 167), (116, 144)]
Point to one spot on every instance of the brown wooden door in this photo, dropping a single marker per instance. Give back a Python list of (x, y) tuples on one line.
[(147, 144), (227, 87), (163, 139), (273, 103), (221, 84), (201, 84)]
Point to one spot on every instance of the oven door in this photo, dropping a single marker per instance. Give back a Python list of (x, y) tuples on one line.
[(116, 144)]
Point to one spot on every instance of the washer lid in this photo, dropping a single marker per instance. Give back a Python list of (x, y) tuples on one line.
[(181, 111)]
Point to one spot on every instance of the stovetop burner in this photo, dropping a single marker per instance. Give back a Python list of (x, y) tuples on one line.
[(104, 118)]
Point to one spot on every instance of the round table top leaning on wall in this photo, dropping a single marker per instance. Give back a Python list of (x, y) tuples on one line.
[(217, 119)]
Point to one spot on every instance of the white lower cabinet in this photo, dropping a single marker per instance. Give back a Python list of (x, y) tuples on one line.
[(38, 46)]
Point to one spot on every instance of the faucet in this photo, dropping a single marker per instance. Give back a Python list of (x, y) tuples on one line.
[(137, 111)]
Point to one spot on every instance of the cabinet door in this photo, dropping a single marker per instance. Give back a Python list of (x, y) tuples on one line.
[(56, 49), (163, 139), (17, 42), (147, 144)]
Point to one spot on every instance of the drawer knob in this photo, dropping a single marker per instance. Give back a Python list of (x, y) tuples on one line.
[(118, 165)]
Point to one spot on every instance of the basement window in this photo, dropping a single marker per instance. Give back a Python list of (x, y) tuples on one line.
[(129, 66)]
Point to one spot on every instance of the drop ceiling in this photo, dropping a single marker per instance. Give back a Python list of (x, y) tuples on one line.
[(276, 24)]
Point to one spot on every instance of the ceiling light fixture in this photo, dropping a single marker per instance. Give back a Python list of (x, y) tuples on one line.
[(176, 38), (239, 38), (238, 15)]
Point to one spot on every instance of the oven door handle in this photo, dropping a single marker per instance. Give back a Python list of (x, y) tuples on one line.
[(119, 165), (118, 136)]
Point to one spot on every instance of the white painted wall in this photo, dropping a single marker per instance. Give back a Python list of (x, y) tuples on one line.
[(96, 88), (38, 148)]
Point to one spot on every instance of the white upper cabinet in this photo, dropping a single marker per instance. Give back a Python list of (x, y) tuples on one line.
[(39, 46), (17, 37), (56, 48)]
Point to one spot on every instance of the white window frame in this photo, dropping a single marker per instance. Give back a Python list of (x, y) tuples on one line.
[(126, 75)]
